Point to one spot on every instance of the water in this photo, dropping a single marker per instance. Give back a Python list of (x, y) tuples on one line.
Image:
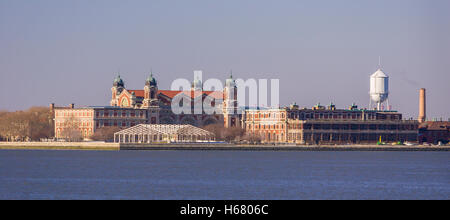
[(223, 175)]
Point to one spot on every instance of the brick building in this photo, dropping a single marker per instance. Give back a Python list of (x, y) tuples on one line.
[(150, 106), (433, 132), (87, 120), (321, 125)]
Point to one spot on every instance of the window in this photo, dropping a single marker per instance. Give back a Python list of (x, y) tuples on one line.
[(124, 103)]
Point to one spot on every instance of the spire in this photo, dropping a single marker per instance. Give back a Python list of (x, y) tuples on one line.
[(151, 81), (379, 62), (230, 81)]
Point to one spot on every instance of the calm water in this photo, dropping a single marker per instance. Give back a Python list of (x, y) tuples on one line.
[(223, 175)]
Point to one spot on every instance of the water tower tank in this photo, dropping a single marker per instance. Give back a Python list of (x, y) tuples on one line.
[(379, 87)]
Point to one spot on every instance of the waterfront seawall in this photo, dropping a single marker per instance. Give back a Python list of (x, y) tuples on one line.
[(230, 147), (59, 146), (206, 146)]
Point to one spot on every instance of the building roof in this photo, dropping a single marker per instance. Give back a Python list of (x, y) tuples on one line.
[(379, 74), (172, 93), (138, 93), (152, 129), (435, 125)]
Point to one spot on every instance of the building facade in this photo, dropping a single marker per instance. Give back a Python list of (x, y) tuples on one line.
[(150, 106), (434, 132), (159, 103), (321, 125), (318, 125), (83, 122)]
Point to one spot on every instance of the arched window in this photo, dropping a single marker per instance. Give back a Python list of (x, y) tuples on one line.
[(125, 102), (152, 94)]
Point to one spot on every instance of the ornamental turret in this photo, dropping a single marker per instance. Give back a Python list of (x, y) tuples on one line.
[(197, 85), (230, 104), (150, 92), (116, 90)]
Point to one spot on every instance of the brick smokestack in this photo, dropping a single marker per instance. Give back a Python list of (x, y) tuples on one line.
[(422, 106)]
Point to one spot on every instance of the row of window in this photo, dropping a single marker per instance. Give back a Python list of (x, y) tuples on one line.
[(305, 116), (115, 123), (265, 127), (85, 133), (272, 137), (74, 114), (355, 126), (75, 124), (354, 137), (265, 115), (120, 113)]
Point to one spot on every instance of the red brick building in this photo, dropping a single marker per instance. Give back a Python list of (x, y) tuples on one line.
[(433, 132), (321, 125), (150, 106)]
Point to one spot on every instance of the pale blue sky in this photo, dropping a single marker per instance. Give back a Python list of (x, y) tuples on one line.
[(66, 51)]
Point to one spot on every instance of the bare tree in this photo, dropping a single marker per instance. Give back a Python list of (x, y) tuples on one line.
[(105, 134), (71, 130), (33, 124), (225, 134), (252, 138)]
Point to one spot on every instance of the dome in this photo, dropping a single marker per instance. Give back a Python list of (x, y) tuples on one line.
[(151, 81), (118, 82), (379, 74)]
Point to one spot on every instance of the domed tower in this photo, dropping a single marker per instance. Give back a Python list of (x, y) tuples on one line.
[(151, 92), (230, 104), (116, 90), (197, 85), (379, 89)]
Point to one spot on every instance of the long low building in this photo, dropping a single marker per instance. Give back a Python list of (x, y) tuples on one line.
[(321, 125), (163, 133)]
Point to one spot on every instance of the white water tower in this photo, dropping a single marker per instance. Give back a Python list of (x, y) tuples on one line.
[(379, 89)]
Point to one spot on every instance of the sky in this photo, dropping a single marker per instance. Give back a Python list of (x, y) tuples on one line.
[(67, 51)]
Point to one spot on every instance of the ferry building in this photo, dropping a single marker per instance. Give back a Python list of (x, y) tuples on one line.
[(320, 124), (150, 105)]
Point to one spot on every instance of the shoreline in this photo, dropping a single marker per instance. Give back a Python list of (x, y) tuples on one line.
[(209, 147)]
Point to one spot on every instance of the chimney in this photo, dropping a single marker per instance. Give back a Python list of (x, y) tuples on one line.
[(422, 106)]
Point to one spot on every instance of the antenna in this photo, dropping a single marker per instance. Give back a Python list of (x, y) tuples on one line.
[(379, 62)]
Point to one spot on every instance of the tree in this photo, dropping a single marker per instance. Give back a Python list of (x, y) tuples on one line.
[(252, 138), (71, 130), (233, 134), (225, 134), (105, 134), (40, 123), (33, 124)]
